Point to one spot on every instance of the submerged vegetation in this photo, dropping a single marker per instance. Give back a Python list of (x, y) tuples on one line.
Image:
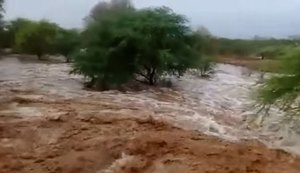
[(120, 43), (137, 44)]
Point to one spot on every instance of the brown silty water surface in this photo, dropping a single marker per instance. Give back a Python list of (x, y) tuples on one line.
[(49, 123)]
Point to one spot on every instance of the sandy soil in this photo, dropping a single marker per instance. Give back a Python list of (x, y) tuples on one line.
[(49, 124), (73, 137)]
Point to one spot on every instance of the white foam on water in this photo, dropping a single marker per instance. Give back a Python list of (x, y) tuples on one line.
[(215, 106)]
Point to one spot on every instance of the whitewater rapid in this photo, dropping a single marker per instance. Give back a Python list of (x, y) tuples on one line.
[(221, 105)]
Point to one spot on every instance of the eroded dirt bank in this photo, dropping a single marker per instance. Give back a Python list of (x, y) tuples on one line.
[(73, 137), (49, 124)]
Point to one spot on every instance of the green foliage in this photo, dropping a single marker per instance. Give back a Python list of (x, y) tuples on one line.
[(164, 43), (1, 13), (206, 65), (284, 90), (269, 48), (11, 29), (66, 42), (37, 38), (204, 44), (2, 31), (1, 5), (102, 9), (140, 44)]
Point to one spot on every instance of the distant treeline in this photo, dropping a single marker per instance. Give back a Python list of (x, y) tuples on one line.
[(266, 48)]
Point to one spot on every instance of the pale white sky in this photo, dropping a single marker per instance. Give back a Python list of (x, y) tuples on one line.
[(227, 18)]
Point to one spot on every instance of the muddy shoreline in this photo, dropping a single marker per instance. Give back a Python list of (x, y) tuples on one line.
[(73, 136)]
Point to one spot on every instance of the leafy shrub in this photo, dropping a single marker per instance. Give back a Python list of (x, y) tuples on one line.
[(136, 44), (66, 42), (37, 38), (283, 90)]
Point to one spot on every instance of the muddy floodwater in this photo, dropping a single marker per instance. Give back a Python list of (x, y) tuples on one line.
[(221, 105), (50, 124)]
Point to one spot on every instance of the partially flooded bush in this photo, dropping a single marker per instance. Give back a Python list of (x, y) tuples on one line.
[(140, 45)]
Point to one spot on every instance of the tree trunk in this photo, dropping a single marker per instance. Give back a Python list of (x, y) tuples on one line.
[(152, 77), (68, 60), (91, 83), (102, 85), (39, 55), (151, 80)]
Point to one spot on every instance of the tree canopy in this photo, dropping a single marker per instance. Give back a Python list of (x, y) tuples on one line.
[(1, 12), (103, 8), (11, 29), (2, 33), (136, 44), (37, 38), (66, 42)]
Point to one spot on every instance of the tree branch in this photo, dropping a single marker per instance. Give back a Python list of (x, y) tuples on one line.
[(140, 81), (142, 74)]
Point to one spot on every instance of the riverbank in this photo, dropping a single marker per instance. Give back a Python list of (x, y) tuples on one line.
[(266, 65), (41, 135)]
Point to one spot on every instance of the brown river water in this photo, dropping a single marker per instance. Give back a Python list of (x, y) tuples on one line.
[(221, 106)]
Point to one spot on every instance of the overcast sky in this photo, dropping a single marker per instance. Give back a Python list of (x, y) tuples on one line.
[(226, 18)]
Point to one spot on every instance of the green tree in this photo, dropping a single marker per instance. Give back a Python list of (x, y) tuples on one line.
[(1, 13), (204, 44), (103, 8), (37, 38), (2, 31), (67, 42), (141, 44), (283, 90), (11, 29)]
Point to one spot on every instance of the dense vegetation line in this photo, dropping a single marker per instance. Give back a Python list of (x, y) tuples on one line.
[(119, 43)]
